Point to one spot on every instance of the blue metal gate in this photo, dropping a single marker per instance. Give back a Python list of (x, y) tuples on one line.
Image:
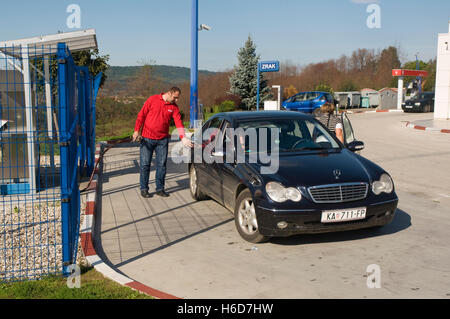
[(47, 142)]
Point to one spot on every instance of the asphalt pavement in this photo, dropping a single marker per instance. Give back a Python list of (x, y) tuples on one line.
[(192, 250)]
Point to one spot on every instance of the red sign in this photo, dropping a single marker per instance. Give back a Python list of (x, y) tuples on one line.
[(400, 72)]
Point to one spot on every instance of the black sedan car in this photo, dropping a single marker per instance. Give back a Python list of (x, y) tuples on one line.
[(295, 178), (422, 103)]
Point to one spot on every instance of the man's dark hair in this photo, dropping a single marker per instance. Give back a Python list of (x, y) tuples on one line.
[(175, 89)]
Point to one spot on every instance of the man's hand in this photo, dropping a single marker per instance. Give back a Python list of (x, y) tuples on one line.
[(136, 136), (187, 142)]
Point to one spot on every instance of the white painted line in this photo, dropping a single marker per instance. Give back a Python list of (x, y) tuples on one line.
[(112, 274), (94, 259), (107, 271), (87, 225), (91, 197)]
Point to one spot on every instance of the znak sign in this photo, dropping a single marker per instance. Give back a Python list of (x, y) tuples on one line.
[(269, 66), (266, 66)]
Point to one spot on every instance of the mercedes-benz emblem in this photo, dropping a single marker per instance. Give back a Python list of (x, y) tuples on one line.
[(337, 173)]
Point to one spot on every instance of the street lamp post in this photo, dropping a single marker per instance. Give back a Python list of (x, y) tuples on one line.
[(419, 79), (194, 65)]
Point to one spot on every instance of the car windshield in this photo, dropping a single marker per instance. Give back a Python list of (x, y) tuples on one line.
[(284, 135)]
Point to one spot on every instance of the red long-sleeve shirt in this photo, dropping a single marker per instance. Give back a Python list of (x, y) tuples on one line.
[(155, 115)]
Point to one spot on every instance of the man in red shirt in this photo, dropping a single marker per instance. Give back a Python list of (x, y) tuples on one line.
[(154, 120)]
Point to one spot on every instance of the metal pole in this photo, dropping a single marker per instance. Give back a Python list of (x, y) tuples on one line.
[(257, 89), (194, 65), (278, 87), (48, 96), (29, 120), (400, 93), (419, 78), (64, 149), (48, 103)]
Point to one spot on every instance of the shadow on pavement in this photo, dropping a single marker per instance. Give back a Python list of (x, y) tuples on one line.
[(401, 221), (172, 243), (165, 223)]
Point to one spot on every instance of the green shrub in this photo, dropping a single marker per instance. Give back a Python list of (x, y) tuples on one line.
[(225, 106), (216, 109)]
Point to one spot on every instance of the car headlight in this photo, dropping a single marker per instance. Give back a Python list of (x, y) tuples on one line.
[(417, 104), (279, 193), (385, 184)]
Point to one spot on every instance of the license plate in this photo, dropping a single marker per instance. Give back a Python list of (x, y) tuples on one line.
[(336, 216), (408, 106)]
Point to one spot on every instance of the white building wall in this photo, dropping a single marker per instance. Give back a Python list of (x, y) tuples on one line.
[(442, 97)]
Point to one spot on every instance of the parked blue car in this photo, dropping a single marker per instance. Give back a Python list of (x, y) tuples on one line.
[(307, 102)]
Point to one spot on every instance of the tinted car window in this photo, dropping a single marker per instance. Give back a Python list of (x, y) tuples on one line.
[(311, 96), (299, 98), (225, 133), (348, 131), (291, 135), (210, 130)]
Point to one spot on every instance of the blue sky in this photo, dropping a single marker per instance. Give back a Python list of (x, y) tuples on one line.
[(287, 30)]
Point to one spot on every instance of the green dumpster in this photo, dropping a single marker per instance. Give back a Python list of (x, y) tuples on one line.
[(365, 102)]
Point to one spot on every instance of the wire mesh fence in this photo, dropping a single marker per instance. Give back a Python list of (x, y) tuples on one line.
[(45, 113)]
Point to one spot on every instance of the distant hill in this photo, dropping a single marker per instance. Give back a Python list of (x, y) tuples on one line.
[(167, 74)]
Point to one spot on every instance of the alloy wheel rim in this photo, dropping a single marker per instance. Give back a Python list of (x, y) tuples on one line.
[(247, 217)]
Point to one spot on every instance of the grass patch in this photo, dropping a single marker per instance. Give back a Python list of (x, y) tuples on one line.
[(93, 286), (127, 133)]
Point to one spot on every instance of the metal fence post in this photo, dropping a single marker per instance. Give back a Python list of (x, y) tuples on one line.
[(82, 116), (64, 149), (88, 122)]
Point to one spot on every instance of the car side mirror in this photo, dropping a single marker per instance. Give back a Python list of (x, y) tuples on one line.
[(355, 146)]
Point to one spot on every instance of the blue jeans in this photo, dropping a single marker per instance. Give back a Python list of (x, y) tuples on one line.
[(146, 153)]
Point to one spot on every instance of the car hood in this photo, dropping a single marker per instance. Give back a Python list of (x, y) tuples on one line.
[(310, 169)]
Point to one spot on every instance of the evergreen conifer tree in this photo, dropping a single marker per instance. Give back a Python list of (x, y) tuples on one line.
[(243, 80)]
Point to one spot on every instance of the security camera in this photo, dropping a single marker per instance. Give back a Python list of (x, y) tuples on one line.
[(205, 27)]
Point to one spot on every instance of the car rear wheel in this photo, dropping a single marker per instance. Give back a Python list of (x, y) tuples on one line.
[(245, 218), (193, 184)]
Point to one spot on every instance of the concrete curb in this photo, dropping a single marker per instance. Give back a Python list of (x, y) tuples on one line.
[(375, 111), (87, 243), (424, 128)]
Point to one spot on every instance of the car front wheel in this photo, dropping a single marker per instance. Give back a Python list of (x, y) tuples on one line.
[(245, 218), (193, 184)]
